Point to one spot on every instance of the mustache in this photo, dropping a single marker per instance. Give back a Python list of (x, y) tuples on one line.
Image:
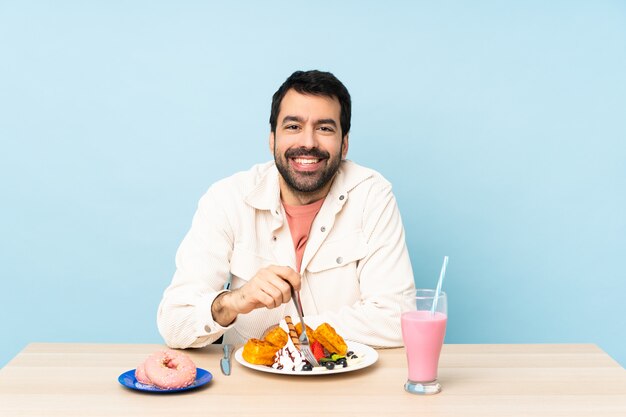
[(314, 152)]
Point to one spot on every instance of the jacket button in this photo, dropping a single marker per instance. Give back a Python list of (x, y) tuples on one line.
[(322, 229), (339, 260), (341, 197)]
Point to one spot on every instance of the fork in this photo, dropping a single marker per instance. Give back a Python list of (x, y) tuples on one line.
[(305, 346)]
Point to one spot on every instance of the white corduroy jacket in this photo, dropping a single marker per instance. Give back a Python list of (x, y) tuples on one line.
[(354, 267)]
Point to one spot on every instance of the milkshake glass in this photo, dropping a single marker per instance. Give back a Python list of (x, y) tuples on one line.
[(423, 332)]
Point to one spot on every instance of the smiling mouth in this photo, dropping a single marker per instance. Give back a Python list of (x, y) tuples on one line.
[(306, 165), (306, 161)]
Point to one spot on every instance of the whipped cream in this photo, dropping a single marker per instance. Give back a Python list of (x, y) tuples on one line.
[(289, 357)]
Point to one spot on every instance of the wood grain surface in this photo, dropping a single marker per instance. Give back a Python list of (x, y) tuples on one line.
[(50, 379)]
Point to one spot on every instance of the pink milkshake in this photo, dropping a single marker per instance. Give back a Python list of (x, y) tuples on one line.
[(423, 334), (424, 318)]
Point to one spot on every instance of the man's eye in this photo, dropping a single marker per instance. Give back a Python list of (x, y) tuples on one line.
[(291, 127), (326, 129)]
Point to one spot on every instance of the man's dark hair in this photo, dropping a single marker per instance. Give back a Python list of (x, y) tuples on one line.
[(316, 83)]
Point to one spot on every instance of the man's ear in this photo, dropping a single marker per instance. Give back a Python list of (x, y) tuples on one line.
[(272, 138), (344, 147)]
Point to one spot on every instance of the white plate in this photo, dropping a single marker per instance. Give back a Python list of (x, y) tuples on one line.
[(367, 355)]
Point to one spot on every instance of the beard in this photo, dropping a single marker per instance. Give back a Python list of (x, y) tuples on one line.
[(307, 182)]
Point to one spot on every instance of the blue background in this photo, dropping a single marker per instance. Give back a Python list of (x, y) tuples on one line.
[(501, 125)]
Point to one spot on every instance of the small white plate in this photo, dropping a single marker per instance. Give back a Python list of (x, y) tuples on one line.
[(366, 354)]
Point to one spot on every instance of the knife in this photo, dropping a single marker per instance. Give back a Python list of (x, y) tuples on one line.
[(225, 361)]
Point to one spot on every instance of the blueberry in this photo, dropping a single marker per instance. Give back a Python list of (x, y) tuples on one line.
[(307, 367), (342, 361), (350, 353), (330, 365), (353, 357)]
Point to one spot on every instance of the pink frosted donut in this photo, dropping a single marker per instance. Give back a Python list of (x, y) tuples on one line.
[(170, 369), (140, 375)]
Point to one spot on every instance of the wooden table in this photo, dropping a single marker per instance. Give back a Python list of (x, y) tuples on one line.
[(478, 380)]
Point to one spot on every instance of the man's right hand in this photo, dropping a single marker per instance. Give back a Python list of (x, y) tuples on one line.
[(270, 288)]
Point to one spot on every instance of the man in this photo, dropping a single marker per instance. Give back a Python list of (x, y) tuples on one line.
[(310, 219)]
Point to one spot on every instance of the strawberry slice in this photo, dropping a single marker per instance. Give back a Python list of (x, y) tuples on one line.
[(318, 350)]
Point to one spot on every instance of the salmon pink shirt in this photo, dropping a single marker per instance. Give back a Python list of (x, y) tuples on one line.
[(300, 219)]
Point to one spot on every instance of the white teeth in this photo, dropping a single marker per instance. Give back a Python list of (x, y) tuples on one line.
[(306, 161)]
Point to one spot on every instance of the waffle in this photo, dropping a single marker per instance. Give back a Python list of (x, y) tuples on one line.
[(309, 332), (259, 352), (276, 336), (329, 338)]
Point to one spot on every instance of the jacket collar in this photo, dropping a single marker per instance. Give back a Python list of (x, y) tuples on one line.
[(266, 193)]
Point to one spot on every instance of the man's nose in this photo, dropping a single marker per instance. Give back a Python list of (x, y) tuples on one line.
[(308, 138)]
